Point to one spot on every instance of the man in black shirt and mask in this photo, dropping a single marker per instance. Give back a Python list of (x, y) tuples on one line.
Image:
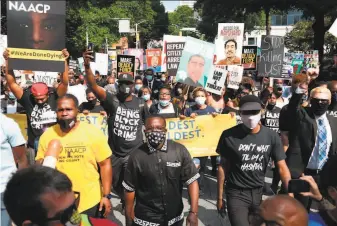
[(126, 114), (332, 110), (246, 150), (155, 175)]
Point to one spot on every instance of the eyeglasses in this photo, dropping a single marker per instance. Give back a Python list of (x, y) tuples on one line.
[(70, 214)]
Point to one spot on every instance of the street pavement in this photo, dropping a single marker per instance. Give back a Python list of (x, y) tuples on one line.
[(207, 213)]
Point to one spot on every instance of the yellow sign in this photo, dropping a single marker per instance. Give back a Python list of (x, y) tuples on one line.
[(35, 54), (200, 135)]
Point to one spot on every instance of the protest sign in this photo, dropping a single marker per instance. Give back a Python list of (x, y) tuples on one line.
[(139, 57), (93, 67), (195, 62), (46, 77), (3, 46), (125, 64), (249, 57), (235, 76), (153, 59), (36, 35), (73, 64), (229, 43), (216, 80), (173, 54), (200, 135), (272, 52), (310, 59), (102, 64), (333, 29), (297, 62), (168, 39), (80, 64)]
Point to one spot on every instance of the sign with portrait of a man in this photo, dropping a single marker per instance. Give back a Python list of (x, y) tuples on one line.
[(229, 43), (36, 35), (195, 62)]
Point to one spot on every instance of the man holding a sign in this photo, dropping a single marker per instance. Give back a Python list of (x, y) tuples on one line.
[(38, 102)]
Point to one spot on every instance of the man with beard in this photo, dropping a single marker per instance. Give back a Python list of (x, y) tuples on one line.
[(230, 50), (314, 135), (126, 115), (332, 110), (39, 103), (84, 150)]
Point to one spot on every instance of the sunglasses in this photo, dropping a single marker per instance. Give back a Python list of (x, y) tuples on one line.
[(323, 101), (69, 215)]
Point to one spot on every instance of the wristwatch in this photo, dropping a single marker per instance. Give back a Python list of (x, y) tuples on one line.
[(108, 196)]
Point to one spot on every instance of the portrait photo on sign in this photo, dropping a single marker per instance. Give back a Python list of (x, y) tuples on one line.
[(153, 59), (229, 43), (139, 57), (195, 62)]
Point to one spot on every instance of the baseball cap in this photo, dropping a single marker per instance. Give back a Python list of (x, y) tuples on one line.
[(39, 89), (250, 103), (125, 78)]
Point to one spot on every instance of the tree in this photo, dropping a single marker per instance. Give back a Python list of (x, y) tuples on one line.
[(301, 38), (161, 20), (182, 17)]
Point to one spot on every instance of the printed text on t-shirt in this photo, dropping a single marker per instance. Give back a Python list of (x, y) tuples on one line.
[(126, 123), (253, 156)]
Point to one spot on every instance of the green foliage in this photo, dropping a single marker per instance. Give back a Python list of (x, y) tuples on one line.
[(161, 21), (182, 17)]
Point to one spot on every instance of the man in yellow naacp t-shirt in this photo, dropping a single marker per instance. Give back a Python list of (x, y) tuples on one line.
[(84, 148)]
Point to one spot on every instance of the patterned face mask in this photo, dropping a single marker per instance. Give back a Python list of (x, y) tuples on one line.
[(155, 138)]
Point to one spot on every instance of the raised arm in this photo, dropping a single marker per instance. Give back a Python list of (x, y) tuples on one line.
[(9, 75), (63, 86), (91, 82)]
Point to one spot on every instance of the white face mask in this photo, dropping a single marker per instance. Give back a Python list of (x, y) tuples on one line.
[(200, 100), (250, 121)]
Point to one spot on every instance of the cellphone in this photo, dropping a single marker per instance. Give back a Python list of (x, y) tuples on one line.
[(101, 213), (91, 48), (298, 186)]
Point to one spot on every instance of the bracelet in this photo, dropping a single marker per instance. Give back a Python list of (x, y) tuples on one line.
[(195, 213)]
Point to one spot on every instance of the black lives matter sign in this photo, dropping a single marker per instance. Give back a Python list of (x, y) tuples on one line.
[(125, 64), (173, 54), (272, 52), (36, 35)]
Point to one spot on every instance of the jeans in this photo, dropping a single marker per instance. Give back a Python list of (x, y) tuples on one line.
[(242, 202), (5, 219)]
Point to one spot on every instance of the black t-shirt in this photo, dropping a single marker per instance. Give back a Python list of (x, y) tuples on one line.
[(157, 177), (39, 117), (248, 155), (88, 106), (271, 119), (125, 121)]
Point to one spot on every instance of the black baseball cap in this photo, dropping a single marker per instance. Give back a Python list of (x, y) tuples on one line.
[(125, 78), (250, 103)]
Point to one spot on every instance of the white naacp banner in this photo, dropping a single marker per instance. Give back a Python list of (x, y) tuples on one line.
[(235, 76), (102, 64), (216, 79), (168, 39)]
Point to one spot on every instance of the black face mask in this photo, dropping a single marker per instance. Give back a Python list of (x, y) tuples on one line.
[(66, 124), (318, 108), (124, 90), (92, 102), (271, 106)]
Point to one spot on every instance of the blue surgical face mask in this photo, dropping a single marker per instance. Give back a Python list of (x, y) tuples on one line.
[(149, 78), (146, 97), (164, 103), (138, 86)]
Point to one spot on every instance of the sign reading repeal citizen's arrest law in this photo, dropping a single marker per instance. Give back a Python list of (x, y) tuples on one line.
[(173, 54), (249, 56), (271, 60), (36, 35), (125, 64)]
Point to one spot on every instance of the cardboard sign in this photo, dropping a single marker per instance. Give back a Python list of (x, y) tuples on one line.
[(229, 43), (271, 59), (125, 64), (153, 59), (195, 62), (235, 76), (36, 35), (216, 80), (101, 60), (46, 77), (249, 57), (174, 51)]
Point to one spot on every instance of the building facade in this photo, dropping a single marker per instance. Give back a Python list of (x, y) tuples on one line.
[(188, 3)]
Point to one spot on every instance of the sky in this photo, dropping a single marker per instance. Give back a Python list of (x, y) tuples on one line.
[(170, 5)]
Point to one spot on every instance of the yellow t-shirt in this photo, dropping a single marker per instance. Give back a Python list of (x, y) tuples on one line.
[(82, 149)]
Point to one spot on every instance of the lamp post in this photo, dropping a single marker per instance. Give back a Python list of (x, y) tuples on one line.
[(137, 35)]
